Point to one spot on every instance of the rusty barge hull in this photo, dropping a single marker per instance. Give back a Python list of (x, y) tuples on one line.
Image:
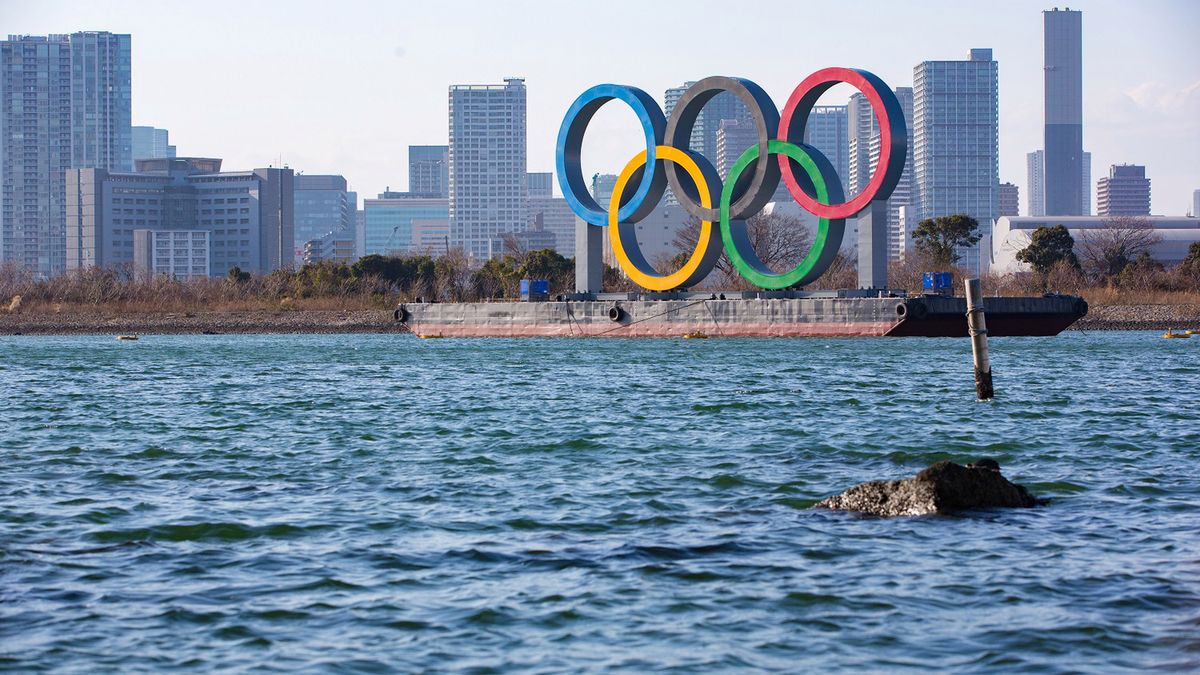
[(927, 316)]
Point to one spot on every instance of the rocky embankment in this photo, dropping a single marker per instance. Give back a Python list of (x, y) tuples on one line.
[(1139, 317), (258, 321)]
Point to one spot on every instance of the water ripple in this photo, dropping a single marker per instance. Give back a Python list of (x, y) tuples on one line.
[(378, 504)]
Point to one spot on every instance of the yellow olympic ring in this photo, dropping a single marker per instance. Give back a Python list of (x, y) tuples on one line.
[(624, 235)]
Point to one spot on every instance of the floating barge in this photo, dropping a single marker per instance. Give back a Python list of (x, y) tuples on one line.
[(752, 314)]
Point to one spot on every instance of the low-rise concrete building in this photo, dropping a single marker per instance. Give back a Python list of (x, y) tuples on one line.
[(182, 254), (337, 246)]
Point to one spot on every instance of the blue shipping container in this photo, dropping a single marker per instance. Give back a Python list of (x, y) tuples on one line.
[(535, 289), (937, 281)]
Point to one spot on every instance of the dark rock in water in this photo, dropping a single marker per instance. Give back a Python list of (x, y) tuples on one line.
[(943, 487)]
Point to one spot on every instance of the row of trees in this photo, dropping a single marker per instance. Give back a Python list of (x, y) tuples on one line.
[(1114, 257), (450, 277), (373, 281)]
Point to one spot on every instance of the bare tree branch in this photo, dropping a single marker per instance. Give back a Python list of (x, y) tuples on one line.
[(1108, 249)]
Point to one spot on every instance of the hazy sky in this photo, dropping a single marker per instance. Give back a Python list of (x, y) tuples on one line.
[(345, 87)]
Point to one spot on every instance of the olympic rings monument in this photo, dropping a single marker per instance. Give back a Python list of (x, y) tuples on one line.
[(781, 306)]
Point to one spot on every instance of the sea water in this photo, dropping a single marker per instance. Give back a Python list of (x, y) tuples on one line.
[(379, 502)]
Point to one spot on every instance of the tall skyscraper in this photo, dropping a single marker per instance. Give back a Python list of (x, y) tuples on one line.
[(429, 170), (724, 106), (670, 98), (488, 181), (151, 143), (64, 103), (956, 142), (1125, 191), (323, 205), (1064, 112), (862, 154), (1008, 198), (101, 131)]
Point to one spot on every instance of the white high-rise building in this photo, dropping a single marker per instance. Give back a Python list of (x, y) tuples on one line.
[(956, 143), (488, 179)]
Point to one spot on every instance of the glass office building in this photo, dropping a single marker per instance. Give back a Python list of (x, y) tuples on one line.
[(389, 229), (955, 138), (64, 104), (323, 205)]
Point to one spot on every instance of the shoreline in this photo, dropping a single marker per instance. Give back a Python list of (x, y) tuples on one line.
[(204, 323), (1139, 317), (303, 321)]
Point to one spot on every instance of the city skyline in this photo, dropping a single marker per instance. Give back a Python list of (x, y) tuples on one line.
[(1142, 110)]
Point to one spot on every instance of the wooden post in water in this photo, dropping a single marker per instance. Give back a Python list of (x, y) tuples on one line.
[(977, 329)]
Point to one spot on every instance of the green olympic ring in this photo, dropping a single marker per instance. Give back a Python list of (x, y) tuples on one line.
[(826, 244)]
